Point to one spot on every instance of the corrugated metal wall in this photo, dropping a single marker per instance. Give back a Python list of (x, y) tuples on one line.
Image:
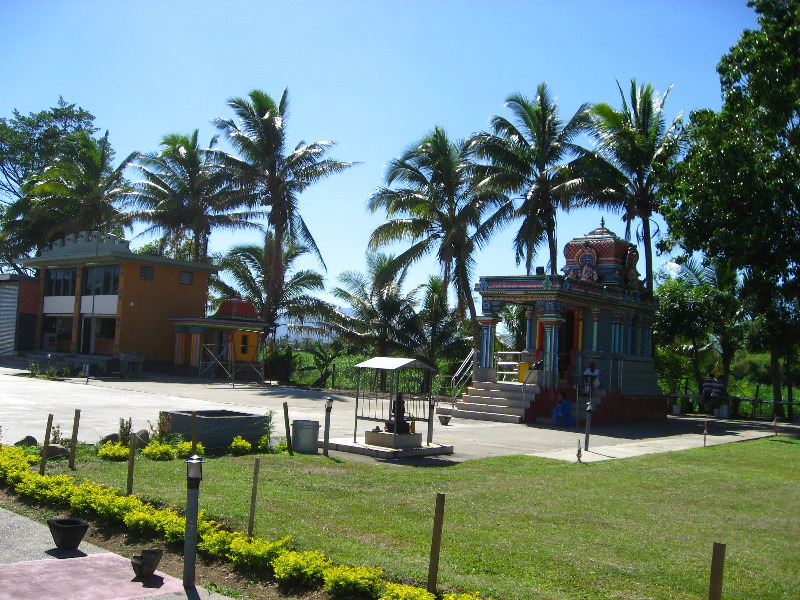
[(9, 294)]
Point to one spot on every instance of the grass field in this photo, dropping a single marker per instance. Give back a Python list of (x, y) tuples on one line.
[(523, 528)]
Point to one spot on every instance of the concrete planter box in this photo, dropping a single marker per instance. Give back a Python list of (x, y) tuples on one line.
[(217, 428), (393, 440)]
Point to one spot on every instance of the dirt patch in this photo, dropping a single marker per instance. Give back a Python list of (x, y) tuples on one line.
[(216, 575)]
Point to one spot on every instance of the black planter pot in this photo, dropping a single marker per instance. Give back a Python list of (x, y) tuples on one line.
[(146, 564), (67, 533)]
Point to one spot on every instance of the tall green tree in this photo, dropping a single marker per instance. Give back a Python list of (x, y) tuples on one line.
[(247, 269), (29, 143), (438, 207), (527, 158), (274, 175), (735, 193), (636, 147), (186, 193), (80, 190)]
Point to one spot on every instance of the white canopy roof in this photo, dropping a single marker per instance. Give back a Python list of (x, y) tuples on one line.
[(389, 363)]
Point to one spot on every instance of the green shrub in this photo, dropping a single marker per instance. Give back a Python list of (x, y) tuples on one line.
[(33, 367), (282, 447), (265, 445), (345, 581), (254, 553), (184, 449), (300, 569), (125, 431), (112, 451), (240, 446), (398, 591), (155, 450)]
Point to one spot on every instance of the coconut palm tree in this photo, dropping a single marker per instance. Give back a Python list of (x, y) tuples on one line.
[(273, 175), (380, 316), (526, 157), (80, 191), (635, 147), (184, 190), (249, 268), (438, 207)]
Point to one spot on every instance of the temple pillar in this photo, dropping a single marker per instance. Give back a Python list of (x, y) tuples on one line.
[(486, 369)]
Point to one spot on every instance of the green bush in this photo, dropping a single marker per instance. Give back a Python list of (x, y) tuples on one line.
[(255, 554), (399, 591), (344, 581), (300, 569), (184, 449), (157, 451), (240, 446), (33, 367), (112, 451)]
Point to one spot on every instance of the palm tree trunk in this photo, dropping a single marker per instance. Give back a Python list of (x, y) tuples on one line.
[(648, 254), (551, 240)]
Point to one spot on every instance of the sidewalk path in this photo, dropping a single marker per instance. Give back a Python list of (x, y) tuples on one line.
[(31, 568)]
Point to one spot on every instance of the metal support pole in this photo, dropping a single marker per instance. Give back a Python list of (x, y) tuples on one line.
[(431, 410), (588, 423), (190, 544), (327, 438)]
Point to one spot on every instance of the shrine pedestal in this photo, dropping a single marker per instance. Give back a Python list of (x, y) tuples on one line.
[(392, 440)]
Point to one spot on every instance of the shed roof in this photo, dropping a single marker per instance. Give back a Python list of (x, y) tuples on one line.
[(390, 363)]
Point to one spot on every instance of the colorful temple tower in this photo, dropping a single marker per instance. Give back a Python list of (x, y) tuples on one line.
[(597, 311)]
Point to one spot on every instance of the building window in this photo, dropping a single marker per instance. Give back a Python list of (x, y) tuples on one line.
[(60, 282), (146, 273), (187, 277), (100, 281)]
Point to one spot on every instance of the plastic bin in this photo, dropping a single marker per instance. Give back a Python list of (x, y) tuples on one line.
[(305, 436)]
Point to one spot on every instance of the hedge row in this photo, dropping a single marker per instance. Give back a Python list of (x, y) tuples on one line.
[(290, 568)]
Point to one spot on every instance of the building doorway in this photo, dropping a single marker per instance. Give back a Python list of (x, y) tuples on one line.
[(98, 335)]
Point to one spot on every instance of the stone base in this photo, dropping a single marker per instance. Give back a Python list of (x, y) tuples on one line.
[(392, 440)]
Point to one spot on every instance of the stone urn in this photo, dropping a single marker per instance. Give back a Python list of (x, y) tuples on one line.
[(67, 533), (145, 565), (444, 419)]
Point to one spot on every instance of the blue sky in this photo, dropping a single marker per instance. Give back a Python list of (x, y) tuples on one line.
[(374, 76)]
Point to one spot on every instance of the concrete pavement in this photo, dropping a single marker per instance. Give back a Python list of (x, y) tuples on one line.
[(32, 568), (25, 404)]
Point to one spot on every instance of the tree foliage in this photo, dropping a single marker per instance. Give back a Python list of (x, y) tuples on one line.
[(526, 157), (30, 143)]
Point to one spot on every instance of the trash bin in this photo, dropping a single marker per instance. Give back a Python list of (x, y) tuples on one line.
[(304, 436)]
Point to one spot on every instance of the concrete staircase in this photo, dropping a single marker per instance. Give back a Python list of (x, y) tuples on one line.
[(503, 402)]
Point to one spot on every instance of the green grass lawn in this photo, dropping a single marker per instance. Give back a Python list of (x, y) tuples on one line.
[(523, 528)]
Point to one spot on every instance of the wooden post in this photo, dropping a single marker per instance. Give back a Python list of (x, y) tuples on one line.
[(288, 431), (705, 433), (253, 497), (43, 462), (73, 444), (194, 433), (131, 457), (717, 571), (775, 424), (436, 541)]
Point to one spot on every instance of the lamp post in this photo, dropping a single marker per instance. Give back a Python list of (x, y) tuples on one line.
[(328, 408), (194, 474), (589, 409)]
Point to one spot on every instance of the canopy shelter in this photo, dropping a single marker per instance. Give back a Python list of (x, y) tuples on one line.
[(229, 344), (385, 383)]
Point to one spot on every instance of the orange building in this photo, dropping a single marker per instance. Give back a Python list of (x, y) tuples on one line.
[(100, 298)]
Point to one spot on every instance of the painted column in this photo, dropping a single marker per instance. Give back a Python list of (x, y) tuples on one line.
[(552, 320), (488, 330), (531, 331), (595, 324), (577, 339)]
